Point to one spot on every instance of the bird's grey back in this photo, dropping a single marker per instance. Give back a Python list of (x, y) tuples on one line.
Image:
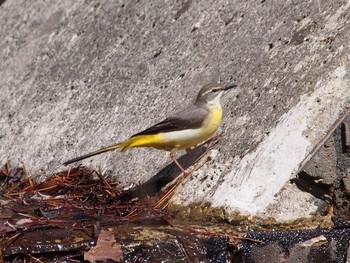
[(190, 118)]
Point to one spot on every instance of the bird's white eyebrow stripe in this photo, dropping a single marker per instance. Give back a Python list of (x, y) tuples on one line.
[(208, 91)]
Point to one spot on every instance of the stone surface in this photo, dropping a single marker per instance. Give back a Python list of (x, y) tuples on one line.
[(323, 165), (340, 189), (295, 204), (326, 175), (79, 75)]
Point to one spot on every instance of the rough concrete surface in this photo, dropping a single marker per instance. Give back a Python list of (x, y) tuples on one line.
[(323, 165), (327, 175), (79, 75)]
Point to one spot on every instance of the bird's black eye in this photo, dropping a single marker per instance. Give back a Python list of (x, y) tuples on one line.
[(215, 90)]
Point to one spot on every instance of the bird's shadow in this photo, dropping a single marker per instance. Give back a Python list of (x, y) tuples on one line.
[(169, 173)]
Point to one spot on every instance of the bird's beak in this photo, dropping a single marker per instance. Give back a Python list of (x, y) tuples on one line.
[(228, 86)]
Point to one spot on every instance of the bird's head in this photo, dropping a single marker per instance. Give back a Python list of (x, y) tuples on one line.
[(210, 94)]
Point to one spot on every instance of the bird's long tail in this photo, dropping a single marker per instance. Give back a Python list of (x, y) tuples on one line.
[(135, 141), (103, 150)]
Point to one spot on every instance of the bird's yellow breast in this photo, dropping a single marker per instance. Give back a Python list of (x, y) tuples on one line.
[(212, 122)]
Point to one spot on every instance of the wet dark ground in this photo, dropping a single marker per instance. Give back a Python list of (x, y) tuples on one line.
[(316, 246), (72, 214)]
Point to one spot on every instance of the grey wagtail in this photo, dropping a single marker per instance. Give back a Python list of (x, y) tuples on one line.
[(183, 130)]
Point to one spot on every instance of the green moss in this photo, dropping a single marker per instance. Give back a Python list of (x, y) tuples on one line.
[(204, 214)]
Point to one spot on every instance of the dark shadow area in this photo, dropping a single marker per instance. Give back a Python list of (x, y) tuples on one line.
[(307, 183), (169, 173)]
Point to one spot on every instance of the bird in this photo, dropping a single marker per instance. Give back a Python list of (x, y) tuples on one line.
[(183, 130)]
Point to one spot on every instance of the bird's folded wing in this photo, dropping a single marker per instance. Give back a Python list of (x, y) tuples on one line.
[(190, 118)]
